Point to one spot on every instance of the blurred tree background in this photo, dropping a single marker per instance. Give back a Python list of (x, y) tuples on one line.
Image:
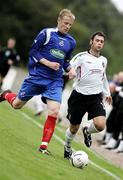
[(24, 19)]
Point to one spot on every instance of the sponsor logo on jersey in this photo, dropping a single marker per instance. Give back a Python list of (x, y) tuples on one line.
[(95, 71), (57, 53)]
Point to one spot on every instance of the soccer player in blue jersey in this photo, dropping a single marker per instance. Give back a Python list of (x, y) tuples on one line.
[(48, 57)]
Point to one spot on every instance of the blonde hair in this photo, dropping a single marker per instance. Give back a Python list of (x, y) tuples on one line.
[(66, 12)]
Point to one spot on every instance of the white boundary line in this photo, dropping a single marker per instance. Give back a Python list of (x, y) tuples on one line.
[(61, 141)]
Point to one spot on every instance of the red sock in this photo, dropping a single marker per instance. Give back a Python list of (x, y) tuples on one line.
[(10, 97), (48, 131)]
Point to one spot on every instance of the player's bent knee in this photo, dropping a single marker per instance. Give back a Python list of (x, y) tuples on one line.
[(100, 123), (74, 129), (100, 127), (54, 112), (16, 107), (18, 104)]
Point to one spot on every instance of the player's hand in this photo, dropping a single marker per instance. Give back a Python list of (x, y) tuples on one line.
[(10, 62), (72, 73), (112, 87), (54, 65), (108, 99)]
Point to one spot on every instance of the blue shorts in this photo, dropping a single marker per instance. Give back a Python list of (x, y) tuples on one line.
[(48, 88)]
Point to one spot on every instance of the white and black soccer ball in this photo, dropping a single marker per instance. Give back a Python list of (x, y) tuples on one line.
[(79, 159)]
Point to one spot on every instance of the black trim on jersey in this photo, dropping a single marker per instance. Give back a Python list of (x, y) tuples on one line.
[(93, 55)]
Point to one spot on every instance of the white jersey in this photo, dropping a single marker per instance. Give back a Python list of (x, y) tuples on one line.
[(91, 76)]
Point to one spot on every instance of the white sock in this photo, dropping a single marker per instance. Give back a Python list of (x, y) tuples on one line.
[(108, 135), (92, 128), (68, 138)]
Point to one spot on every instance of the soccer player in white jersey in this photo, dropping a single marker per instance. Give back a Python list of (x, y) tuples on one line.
[(89, 90)]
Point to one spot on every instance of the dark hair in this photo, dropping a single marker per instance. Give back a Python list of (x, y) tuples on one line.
[(99, 33)]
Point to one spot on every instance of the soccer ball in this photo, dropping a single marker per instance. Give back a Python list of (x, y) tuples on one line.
[(79, 159)]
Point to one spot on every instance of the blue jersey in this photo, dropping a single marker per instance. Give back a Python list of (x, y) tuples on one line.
[(53, 46)]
